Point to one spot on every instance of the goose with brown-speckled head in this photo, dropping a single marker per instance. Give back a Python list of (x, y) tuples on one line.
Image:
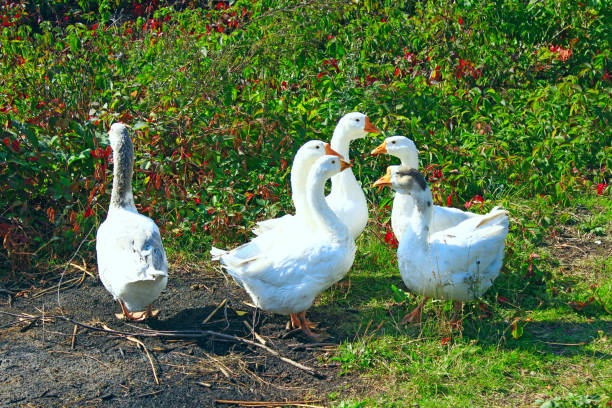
[(132, 263)]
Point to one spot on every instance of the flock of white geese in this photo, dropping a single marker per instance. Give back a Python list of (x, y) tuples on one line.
[(443, 252)]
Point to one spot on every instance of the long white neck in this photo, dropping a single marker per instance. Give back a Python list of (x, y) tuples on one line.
[(320, 213), (299, 175), (408, 159), (340, 142), (123, 158), (420, 220), (403, 205), (343, 183)]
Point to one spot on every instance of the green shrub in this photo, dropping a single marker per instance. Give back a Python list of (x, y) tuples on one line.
[(502, 98)]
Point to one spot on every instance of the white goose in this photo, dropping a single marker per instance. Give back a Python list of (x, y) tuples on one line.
[(132, 262), (287, 276), (443, 217), (459, 263), (305, 157), (302, 162), (346, 199)]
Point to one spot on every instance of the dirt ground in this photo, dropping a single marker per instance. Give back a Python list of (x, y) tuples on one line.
[(40, 365)]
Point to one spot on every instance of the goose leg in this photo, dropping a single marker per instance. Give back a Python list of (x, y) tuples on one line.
[(305, 325), (311, 325), (415, 315), (136, 316), (151, 313), (295, 320), (455, 321)]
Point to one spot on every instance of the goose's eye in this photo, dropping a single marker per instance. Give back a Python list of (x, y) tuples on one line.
[(318, 146), (333, 162), (357, 120), (393, 142)]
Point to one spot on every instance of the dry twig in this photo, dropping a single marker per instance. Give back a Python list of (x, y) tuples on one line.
[(214, 311), (74, 333), (140, 343)]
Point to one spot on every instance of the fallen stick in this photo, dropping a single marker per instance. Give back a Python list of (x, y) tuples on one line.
[(149, 394), (214, 311), (74, 333), (257, 336), (140, 343)]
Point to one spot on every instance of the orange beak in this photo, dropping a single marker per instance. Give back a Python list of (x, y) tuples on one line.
[(331, 152), (369, 127), (344, 165), (382, 148), (384, 181)]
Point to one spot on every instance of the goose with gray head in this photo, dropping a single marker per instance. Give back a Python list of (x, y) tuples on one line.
[(132, 263), (459, 263), (287, 272), (403, 204), (346, 198)]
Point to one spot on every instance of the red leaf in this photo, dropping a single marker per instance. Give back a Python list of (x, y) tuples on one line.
[(476, 199), (16, 146), (601, 187), (579, 306), (390, 239)]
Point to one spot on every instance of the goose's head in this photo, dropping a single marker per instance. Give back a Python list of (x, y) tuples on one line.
[(117, 135), (356, 125), (404, 180), (327, 166), (312, 150), (400, 147)]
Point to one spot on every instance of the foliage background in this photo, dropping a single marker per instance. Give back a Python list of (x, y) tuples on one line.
[(505, 100)]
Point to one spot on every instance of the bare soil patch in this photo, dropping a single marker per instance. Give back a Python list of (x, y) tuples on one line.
[(41, 366), (576, 249)]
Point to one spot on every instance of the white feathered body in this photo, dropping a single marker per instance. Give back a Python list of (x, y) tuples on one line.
[(442, 219), (132, 263), (272, 223), (283, 274), (283, 270), (459, 263)]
